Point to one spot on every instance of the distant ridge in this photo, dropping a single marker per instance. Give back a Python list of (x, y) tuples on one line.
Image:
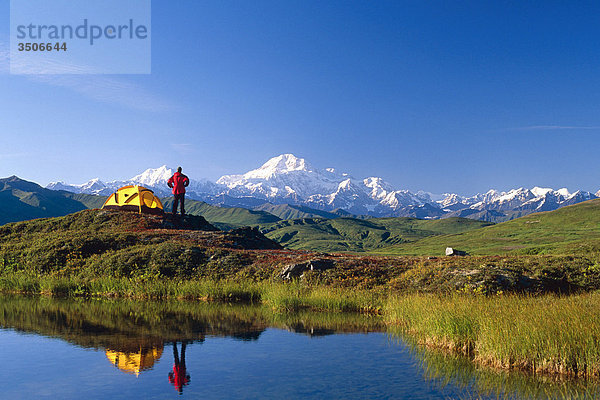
[(287, 179), (569, 230), (22, 200), (290, 211)]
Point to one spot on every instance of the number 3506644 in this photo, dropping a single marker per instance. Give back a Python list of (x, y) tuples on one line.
[(42, 46)]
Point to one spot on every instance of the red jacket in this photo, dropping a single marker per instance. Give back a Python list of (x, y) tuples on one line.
[(178, 183), (179, 378)]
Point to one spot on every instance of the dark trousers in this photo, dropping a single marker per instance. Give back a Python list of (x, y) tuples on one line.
[(179, 198)]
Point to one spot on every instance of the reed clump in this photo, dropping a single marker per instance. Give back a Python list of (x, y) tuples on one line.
[(295, 296), (543, 334)]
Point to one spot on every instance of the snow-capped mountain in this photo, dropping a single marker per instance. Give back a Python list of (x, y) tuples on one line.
[(95, 186), (536, 199), (290, 179), (287, 178), (495, 205), (152, 178), (284, 176)]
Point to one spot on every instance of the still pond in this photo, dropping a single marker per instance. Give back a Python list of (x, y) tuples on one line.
[(115, 349)]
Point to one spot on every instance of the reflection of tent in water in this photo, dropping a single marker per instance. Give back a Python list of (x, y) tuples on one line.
[(134, 198), (135, 362)]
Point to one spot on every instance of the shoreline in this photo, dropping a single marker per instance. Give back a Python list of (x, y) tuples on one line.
[(548, 334), (483, 304)]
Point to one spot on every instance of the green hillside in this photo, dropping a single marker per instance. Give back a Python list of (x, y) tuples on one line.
[(88, 200), (569, 230), (489, 215), (350, 234), (95, 243), (22, 200), (223, 217), (288, 211)]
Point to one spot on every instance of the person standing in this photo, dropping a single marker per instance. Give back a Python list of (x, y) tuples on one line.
[(178, 182)]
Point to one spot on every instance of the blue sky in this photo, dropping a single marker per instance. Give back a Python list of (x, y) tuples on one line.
[(439, 96)]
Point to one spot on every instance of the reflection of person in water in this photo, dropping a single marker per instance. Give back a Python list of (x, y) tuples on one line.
[(179, 377)]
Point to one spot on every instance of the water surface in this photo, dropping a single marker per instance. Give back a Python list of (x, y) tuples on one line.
[(98, 349)]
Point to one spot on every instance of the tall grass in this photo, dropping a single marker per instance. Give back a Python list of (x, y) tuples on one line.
[(210, 290), (441, 369), (280, 296), (547, 334), (296, 296)]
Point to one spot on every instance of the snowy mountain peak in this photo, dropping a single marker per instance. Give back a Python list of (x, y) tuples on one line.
[(281, 164), (273, 170), (538, 191), (377, 186), (345, 185), (153, 176), (60, 185), (450, 199), (94, 184), (374, 182), (287, 179)]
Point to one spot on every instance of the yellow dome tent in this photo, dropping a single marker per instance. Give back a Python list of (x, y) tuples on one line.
[(134, 362), (134, 198)]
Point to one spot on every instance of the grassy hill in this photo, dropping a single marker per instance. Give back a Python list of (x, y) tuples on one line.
[(223, 217), (127, 254), (88, 200), (569, 230), (111, 243), (350, 234), (21, 200), (489, 215), (289, 211)]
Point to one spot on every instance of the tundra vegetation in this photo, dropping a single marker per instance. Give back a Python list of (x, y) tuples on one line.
[(533, 312)]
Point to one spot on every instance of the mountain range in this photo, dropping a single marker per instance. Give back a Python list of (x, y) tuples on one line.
[(287, 179), (293, 226), (22, 200)]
